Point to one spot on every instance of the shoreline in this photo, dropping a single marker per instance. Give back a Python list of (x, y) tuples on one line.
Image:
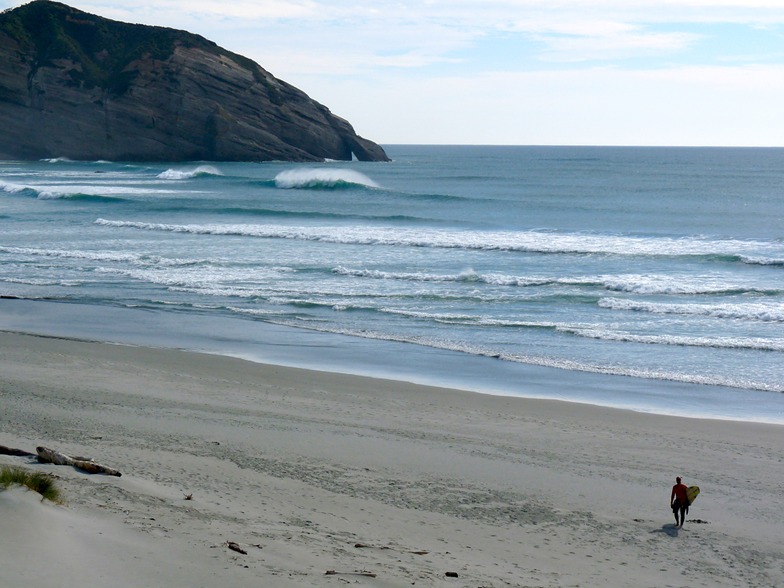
[(414, 382), (267, 343), (301, 467)]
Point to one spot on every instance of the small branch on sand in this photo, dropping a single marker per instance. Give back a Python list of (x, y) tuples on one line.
[(364, 546), (46, 455), (334, 573), (236, 547)]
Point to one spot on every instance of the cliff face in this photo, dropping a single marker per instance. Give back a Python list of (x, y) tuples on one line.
[(79, 86)]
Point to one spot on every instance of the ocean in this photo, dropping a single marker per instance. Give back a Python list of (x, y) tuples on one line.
[(643, 278)]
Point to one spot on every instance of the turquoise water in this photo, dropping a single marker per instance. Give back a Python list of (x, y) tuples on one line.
[(655, 265)]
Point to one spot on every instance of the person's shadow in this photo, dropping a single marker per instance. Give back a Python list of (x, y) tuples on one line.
[(669, 529)]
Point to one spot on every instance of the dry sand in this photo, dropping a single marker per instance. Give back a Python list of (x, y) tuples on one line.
[(300, 467)]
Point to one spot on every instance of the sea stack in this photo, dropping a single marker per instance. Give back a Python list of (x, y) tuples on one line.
[(76, 85)]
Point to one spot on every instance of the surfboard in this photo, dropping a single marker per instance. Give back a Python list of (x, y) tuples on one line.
[(691, 493)]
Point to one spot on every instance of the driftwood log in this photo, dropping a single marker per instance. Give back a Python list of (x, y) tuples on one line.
[(15, 452), (46, 455)]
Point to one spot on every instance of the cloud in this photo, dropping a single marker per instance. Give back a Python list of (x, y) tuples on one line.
[(364, 35), (607, 106), (511, 71), (184, 10), (616, 46), (572, 39)]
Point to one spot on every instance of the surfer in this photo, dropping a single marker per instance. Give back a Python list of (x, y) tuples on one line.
[(679, 502)]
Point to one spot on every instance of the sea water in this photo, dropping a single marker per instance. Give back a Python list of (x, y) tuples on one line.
[(650, 278)]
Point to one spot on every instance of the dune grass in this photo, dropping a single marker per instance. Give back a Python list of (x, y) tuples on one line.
[(42, 483)]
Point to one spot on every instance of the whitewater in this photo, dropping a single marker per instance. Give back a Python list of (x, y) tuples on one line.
[(617, 271)]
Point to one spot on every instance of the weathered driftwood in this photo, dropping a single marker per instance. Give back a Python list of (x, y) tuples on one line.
[(16, 452), (46, 455)]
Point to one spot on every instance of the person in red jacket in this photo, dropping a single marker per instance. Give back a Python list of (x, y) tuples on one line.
[(679, 502)]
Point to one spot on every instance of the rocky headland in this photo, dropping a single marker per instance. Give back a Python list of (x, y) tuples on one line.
[(76, 85)]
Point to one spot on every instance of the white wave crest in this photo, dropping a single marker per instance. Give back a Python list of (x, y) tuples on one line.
[(44, 194), (465, 276), (101, 256), (632, 283), (187, 174), (66, 190), (673, 285), (322, 178), (70, 254), (758, 343), (750, 311), (13, 188), (523, 241), (751, 260)]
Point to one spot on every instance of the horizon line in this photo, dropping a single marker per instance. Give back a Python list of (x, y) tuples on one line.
[(607, 145)]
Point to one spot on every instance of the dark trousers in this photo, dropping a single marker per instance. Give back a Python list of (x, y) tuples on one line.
[(679, 509)]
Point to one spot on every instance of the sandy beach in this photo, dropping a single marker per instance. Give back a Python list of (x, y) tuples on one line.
[(384, 483)]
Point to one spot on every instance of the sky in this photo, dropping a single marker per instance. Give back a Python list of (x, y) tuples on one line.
[(511, 72)]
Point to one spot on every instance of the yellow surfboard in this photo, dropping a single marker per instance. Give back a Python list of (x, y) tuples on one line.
[(691, 493)]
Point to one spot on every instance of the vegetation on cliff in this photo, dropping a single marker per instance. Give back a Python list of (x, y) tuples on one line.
[(104, 48)]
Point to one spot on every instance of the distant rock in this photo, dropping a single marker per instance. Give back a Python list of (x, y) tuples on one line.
[(80, 86)]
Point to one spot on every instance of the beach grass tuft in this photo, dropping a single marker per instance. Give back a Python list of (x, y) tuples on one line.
[(42, 483)]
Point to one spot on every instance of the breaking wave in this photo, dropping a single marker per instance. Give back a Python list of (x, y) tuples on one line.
[(95, 192), (745, 311), (523, 241), (323, 179), (188, 174), (11, 188), (48, 195), (762, 260), (565, 364), (633, 283), (100, 256), (756, 343)]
